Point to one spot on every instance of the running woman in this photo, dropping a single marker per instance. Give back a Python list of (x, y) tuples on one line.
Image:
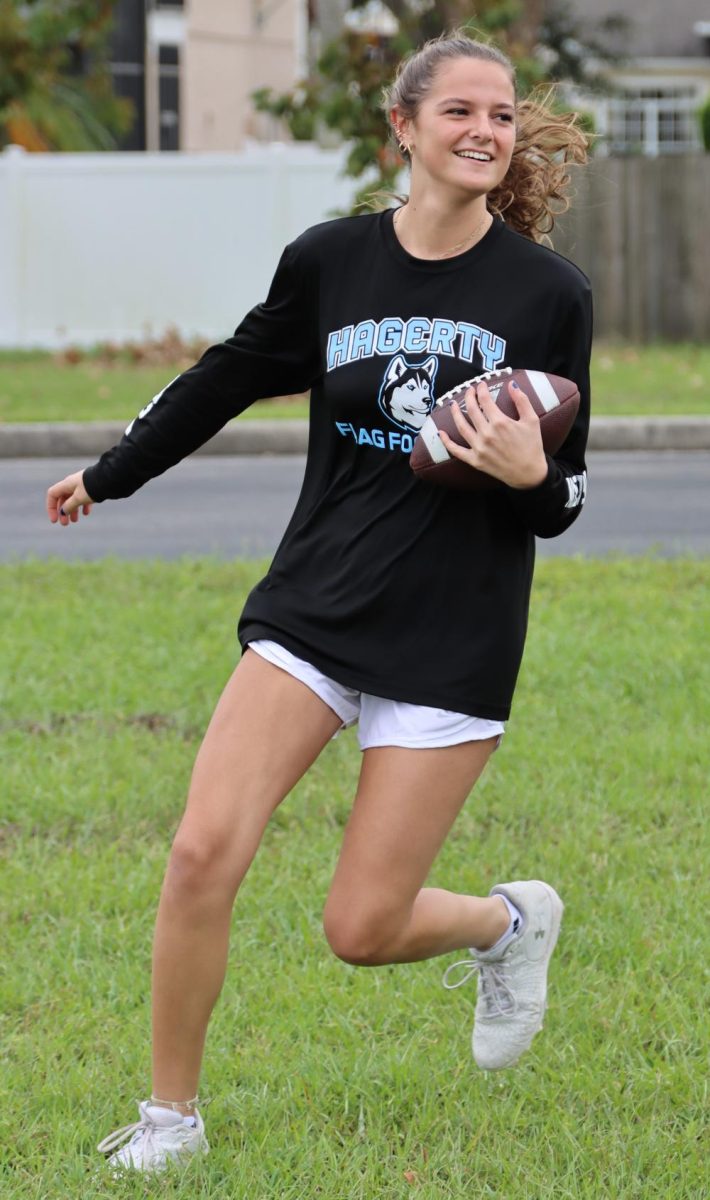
[(390, 602)]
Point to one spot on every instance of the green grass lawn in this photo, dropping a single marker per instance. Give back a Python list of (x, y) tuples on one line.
[(627, 380), (327, 1080)]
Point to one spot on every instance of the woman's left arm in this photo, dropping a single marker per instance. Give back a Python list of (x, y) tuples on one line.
[(545, 492), (552, 505)]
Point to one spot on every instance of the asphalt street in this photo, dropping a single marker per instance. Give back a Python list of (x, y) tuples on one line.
[(238, 507)]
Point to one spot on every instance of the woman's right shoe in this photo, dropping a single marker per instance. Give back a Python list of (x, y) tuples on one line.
[(160, 1137)]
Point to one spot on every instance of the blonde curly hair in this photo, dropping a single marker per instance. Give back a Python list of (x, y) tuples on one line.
[(535, 189)]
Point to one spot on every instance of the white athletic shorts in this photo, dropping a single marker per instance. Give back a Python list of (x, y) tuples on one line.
[(382, 722)]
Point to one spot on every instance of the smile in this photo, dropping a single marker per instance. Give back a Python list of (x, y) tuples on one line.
[(476, 155)]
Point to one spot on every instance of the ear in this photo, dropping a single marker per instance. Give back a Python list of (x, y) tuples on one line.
[(396, 369), (430, 367), (400, 125)]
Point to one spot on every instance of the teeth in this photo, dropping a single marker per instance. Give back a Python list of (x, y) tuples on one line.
[(477, 154)]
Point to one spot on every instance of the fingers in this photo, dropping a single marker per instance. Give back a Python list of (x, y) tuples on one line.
[(66, 499), (481, 400), (492, 412), (56, 496), (480, 411), (77, 500), (479, 404), (467, 430), (507, 448), (526, 412), (486, 404), (464, 420)]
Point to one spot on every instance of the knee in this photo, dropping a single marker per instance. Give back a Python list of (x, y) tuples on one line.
[(195, 863), (361, 938)]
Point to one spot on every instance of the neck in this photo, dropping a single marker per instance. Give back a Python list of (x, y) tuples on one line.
[(428, 229)]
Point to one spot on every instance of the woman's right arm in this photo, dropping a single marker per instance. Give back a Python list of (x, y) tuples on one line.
[(274, 351)]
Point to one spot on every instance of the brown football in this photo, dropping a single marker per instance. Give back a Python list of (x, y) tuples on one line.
[(555, 400)]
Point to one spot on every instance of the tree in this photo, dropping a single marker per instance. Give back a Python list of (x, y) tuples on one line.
[(344, 91), (55, 87), (579, 51)]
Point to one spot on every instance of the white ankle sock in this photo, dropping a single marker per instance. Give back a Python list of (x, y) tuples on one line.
[(192, 1120), (516, 923)]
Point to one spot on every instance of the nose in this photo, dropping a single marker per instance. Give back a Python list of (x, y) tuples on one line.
[(480, 127)]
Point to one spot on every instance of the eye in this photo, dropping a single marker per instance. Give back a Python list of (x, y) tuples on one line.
[(507, 117), (457, 110)]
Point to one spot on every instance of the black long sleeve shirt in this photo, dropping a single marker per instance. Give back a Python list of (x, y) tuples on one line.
[(387, 583)]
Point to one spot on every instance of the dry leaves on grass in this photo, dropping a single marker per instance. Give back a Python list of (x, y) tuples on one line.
[(170, 349)]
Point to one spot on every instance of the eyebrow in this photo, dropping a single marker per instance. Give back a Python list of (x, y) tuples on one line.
[(458, 100)]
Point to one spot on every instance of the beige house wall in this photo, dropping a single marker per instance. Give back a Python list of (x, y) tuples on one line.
[(232, 47)]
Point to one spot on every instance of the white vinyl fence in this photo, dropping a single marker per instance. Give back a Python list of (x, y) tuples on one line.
[(98, 247), (113, 246)]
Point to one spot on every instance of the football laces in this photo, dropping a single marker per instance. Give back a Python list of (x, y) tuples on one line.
[(451, 395)]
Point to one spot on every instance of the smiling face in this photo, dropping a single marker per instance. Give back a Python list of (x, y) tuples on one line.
[(464, 132)]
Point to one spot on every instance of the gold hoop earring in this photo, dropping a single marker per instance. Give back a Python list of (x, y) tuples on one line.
[(401, 145)]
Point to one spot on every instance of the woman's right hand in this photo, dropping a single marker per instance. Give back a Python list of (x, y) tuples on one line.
[(66, 498)]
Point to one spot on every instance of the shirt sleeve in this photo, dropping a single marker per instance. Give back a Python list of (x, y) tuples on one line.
[(274, 352), (551, 507)]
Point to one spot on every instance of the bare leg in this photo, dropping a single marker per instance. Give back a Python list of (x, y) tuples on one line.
[(378, 911), (266, 730)]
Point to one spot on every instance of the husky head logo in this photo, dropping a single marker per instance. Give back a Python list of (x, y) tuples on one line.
[(407, 394)]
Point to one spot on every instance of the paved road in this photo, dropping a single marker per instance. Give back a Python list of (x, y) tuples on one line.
[(239, 507)]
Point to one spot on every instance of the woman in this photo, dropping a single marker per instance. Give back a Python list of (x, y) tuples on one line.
[(389, 600)]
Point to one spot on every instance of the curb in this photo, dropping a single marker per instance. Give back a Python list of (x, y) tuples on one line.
[(84, 439), (68, 439), (649, 433)]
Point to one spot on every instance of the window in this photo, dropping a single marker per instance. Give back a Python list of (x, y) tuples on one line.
[(653, 120), (169, 97)]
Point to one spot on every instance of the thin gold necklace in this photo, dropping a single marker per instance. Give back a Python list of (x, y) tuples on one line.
[(452, 249)]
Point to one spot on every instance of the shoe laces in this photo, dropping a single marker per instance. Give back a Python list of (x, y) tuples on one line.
[(498, 996), (145, 1129)]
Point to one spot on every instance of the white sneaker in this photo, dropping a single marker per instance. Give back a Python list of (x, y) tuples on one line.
[(512, 982), (158, 1138)]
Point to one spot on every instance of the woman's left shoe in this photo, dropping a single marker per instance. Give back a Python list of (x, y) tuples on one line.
[(512, 982)]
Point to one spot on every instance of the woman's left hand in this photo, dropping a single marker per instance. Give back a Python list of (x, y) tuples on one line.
[(509, 450)]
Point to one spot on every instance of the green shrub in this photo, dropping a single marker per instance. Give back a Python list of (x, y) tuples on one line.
[(704, 118)]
